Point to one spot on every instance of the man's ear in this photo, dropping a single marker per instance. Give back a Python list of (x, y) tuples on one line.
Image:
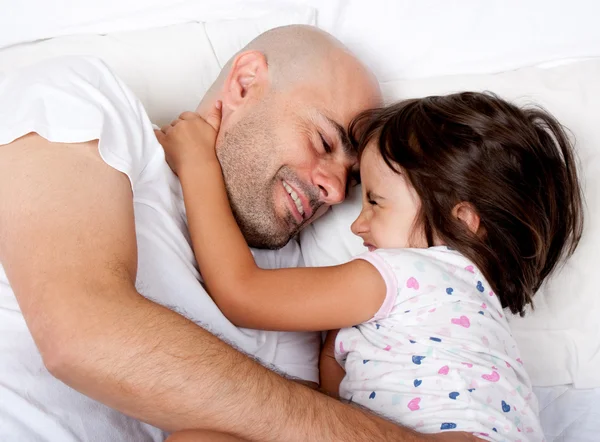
[(466, 213), (248, 78)]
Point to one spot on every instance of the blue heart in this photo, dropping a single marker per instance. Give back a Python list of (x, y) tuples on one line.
[(377, 326), (505, 407), (480, 286), (411, 341), (435, 339), (454, 395), (407, 311), (480, 312), (471, 390), (372, 395), (365, 361), (417, 382), (493, 429), (417, 359), (448, 426), (449, 290)]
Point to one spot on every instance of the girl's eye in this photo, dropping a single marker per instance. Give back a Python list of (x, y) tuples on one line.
[(326, 145), (373, 203)]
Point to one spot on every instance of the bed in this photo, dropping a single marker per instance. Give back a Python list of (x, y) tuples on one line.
[(542, 51)]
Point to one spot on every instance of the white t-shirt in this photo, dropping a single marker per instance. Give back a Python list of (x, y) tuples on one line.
[(78, 99)]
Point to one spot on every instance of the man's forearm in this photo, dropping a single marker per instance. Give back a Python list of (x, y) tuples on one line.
[(157, 366)]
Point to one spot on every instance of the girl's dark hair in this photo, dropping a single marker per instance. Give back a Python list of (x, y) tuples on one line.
[(515, 167)]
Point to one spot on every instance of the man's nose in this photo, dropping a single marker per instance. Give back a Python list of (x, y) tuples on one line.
[(331, 180)]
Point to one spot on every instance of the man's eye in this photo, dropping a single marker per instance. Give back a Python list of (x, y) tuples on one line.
[(326, 145)]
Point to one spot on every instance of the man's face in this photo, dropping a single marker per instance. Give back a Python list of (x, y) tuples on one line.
[(289, 158)]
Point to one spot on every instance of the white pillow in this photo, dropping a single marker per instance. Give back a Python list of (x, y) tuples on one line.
[(169, 68), (560, 340), (397, 38), (25, 21), (402, 39)]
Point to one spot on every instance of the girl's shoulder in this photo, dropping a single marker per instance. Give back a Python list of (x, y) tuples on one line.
[(438, 265), (432, 256)]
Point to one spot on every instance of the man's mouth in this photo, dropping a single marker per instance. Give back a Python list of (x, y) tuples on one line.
[(299, 204)]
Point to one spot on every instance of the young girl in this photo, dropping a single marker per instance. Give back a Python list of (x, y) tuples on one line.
[(469, 203)]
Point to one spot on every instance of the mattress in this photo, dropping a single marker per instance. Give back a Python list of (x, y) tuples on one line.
[(569, 414)]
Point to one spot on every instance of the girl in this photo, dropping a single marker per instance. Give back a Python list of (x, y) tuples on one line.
[(469, 203)]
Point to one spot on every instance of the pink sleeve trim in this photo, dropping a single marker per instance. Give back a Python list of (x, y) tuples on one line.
[(388, 275)]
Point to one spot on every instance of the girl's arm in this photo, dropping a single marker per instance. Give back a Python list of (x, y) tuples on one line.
[(330, 372), (300, 299)]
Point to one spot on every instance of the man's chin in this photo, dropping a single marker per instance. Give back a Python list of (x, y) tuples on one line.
[(268, 240)]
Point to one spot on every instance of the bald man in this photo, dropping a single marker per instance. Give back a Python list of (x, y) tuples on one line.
[(100, 299)]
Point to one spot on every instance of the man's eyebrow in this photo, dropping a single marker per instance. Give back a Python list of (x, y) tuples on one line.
[(342, 134)]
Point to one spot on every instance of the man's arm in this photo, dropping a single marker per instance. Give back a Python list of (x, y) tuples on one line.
[(67, 243)]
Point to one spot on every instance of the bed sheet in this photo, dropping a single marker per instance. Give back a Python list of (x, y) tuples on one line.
[(569, 414)]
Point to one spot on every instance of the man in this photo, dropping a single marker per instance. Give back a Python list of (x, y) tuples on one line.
[(93, 246)]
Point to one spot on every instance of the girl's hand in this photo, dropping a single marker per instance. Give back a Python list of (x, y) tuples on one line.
[(190, 140)]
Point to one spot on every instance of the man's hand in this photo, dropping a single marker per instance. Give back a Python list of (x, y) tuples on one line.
[(190, 139)]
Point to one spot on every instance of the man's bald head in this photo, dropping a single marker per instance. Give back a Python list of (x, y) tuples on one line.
[(297, 53), (288, 98)]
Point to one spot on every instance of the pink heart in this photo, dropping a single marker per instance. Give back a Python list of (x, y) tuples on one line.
[(342, 347), (463, 321), (507, 364), (470, 269), (432, 310), (485, 341), (388, 348), (483, 306), (412, 283), (467, 364), (444, 370), (413, 405), (519, 361), (491, 293), (494, 377)]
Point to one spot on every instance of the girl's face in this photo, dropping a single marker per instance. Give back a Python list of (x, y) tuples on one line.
[(390, 206)]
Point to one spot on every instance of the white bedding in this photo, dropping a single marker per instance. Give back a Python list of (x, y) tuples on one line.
[(569, 414)]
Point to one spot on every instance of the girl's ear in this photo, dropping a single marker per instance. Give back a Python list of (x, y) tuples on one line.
[(466, 213)]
